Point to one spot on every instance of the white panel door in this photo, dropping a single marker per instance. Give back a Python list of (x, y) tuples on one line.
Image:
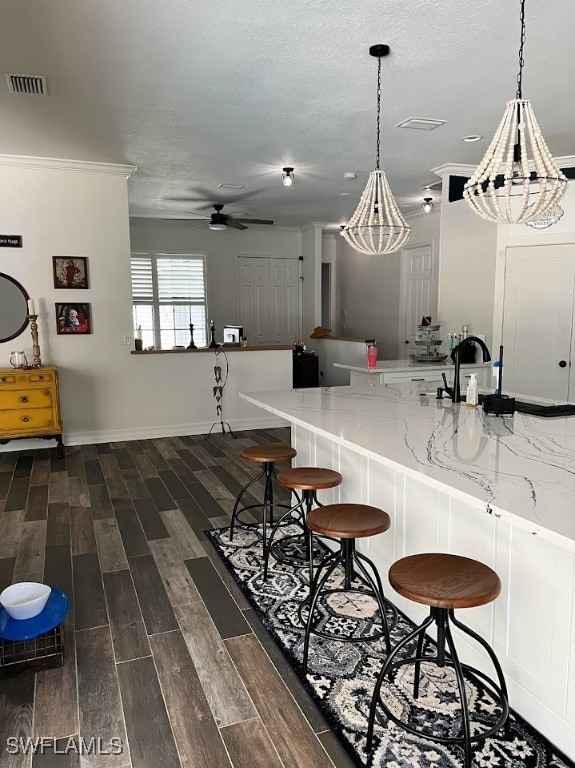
[(419, 293), (254, 285), (538, 320), (291, 287), (269, 299)]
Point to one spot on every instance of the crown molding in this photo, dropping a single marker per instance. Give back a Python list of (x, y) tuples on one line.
[(61, 164), (454, 169), (314, 225), (464, 169)]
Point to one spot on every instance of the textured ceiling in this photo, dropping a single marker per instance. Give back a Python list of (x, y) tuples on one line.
[(197, 92)]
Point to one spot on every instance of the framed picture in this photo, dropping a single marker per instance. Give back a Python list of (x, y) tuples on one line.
[(70, 271), (73, 319)]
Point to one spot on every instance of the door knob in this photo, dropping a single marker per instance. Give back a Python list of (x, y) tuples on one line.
[(406, 341), (562, 363)]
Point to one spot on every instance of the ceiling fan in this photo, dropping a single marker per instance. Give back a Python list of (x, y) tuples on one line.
[(220, 221)]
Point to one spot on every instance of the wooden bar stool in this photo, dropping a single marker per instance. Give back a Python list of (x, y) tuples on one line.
[(267, 455), (444, 582), (307, 480), (346, 523)]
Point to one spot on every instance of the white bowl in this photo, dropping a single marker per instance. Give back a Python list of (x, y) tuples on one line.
[(25, 599)]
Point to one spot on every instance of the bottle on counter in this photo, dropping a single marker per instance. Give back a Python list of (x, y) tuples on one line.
[(371, 353), (471, 397), (495, 374)]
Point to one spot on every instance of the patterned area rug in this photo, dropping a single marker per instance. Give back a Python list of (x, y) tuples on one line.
[(341, 676)]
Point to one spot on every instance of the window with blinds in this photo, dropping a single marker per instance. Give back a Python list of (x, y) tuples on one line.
[(169, 293)]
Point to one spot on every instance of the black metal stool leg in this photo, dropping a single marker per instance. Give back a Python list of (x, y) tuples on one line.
[(319, 584), (277, 524), (461, 685), (377, 690), (239, 498), (389, 605), (380, 601)]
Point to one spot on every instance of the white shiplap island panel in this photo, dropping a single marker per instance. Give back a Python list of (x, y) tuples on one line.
[(455, 480)]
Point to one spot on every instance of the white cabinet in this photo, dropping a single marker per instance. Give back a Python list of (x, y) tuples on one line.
[(423, 374)]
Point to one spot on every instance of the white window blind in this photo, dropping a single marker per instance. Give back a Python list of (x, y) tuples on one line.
[(169, 293)]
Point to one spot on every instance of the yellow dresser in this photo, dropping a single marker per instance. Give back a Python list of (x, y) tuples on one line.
[(30, 405)]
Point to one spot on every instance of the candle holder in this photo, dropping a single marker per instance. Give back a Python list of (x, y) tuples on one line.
[(37, 361), (191, 345)]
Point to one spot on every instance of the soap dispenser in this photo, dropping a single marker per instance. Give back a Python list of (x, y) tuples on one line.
[(471, 396)]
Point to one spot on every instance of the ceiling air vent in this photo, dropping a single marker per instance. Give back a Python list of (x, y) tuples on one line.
[(421, 123), (33, 84)]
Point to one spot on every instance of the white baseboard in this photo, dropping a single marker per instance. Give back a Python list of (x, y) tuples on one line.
[(143, 433)]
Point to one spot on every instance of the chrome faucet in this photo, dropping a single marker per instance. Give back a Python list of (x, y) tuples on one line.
[(454, 392)]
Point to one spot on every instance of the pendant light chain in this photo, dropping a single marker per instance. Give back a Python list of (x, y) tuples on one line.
[(377, 226), (521, 59), (378, 111)]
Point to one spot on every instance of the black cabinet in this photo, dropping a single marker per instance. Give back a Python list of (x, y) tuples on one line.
[(305, 370)]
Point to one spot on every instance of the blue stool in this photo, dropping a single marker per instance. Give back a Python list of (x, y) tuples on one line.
[(37, 643)]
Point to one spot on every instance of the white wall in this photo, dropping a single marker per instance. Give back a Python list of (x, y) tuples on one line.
[(64, 208), (370, 288), (311, 283), (221, 249), (468, 247)]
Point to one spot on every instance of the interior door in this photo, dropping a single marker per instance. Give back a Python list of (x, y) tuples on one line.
[(538, 320), (269, 299), (254, 287), (418, 293)]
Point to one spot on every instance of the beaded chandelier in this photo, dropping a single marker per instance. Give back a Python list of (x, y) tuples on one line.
[(507, 185), (377, 227)]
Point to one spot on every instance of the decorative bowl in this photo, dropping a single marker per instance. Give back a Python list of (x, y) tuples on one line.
[(25, 599)]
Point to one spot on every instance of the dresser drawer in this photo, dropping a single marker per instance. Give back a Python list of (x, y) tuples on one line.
[(7, 378), (27, 420), (39, 376), (11, 399)]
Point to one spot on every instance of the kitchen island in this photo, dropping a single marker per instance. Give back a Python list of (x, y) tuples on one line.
[(401, 371), (455, 480)]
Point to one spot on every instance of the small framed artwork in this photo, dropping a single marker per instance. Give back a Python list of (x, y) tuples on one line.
[(70, 271), (73, 319)]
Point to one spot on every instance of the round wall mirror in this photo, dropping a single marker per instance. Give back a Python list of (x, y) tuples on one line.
[(13, 308)]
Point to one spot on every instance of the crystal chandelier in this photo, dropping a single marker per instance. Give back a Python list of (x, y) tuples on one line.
[(377, 227), (507, 185)]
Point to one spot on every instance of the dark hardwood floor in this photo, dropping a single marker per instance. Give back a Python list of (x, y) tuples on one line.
[(162, 650)]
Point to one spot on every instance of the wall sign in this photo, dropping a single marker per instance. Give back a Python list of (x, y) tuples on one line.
[(10, 241)]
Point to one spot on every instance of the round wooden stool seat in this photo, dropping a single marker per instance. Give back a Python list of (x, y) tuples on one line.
[(348, 521), (268, 453), (309, 478), (444, 581)]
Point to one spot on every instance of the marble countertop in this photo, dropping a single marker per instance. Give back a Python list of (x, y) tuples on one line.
[(399, 366), (523, 467)]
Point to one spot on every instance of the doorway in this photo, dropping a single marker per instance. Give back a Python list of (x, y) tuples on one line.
[(418, 293), (538, 321)]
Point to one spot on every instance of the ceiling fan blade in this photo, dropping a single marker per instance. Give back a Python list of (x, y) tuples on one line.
[(198, 215), (255, 221), (235, 224)]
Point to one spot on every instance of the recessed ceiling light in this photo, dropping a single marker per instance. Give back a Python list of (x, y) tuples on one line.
[(229, 185), (344, 194), (471, 138), (350, 175)]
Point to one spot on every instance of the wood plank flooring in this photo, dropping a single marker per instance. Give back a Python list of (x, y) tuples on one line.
[(162, 649)]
